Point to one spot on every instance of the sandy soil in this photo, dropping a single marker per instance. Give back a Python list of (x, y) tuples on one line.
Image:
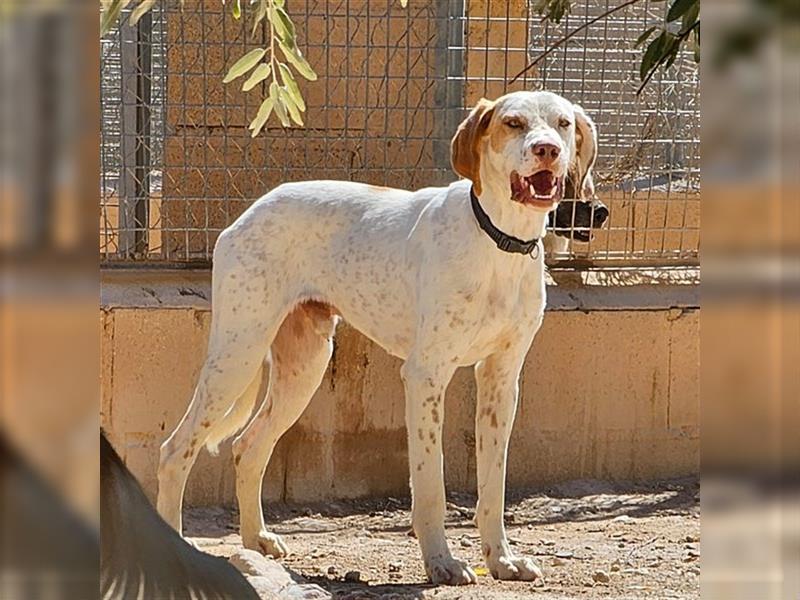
[(592, 540)]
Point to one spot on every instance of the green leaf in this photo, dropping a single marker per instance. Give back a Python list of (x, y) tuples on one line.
[(260, 73), (140, 10), (237, 9), (290, 106), (642, 38), (294, 56), (111, 15), (283, 25), (651, 55), (690, 18), (679, 7), (264, 111), (291, 86), (260, 14), (278, 3), (280, 109), (244, 64)]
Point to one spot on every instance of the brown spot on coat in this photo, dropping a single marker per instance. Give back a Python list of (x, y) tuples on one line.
[(494, 420)]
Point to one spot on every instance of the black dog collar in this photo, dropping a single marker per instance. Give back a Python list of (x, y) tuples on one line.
[(506, 243)]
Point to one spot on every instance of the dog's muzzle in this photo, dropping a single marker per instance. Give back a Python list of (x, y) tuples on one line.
[(575, 219)]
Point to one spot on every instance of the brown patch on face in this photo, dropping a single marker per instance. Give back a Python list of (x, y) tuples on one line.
[(499, 135), (465, 149)]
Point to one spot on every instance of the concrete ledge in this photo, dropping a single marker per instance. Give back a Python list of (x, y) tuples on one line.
[(609, 391), (566, 290)]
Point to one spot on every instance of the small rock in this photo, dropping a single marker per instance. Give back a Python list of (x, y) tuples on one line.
[(588, 583), (691, 539), (250, 562), (621, 519), (558, 562), (395, 566), (352, 576), (547, 542), (333, 570), (615, 567), (693, 570), (564, 554), (466, 542), (601, 576)]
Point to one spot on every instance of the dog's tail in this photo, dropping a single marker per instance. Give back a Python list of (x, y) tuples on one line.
[(239, 414), (143, 557)]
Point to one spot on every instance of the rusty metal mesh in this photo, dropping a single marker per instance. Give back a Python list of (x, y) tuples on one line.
[(178, 164)]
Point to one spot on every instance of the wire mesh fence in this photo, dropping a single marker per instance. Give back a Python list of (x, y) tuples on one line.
[(178, 164)]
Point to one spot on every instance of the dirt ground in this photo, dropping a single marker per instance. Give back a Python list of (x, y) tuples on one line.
[(592, 540)]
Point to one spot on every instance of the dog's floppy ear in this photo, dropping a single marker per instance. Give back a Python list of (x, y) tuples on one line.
[(585, 154), (465, 149)]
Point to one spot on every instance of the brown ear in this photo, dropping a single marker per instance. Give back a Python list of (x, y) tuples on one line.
[(585, 153), (465, 149)]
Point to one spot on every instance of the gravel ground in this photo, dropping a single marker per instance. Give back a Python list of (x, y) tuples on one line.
[(592, 540)]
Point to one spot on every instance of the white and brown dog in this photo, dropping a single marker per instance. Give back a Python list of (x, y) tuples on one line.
[(440, 277)]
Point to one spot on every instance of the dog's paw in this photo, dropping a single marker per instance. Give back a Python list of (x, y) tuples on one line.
[(269, 544), (446, 570), (514, 567)]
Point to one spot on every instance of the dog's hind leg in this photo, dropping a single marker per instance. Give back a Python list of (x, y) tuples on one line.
[(299, 356), (225, 377), (243, 326)]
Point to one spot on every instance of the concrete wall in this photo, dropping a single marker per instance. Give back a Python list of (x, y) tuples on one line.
[(609, 390)]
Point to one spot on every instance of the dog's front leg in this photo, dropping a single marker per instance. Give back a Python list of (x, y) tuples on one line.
[(498, 391), (425, 385)]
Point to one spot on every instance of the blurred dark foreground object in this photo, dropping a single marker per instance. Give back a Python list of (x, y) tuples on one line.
[(46, 551), (142, 556)]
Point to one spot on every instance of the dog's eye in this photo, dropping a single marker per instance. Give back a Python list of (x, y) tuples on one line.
[(514, 123), (564, 123)]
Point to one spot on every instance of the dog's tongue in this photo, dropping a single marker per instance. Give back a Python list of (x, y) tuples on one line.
[(543, 182)]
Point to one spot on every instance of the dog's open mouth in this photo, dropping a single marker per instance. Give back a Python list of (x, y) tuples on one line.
[(542, 189)]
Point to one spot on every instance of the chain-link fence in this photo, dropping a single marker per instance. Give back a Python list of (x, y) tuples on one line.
[(178, 163)]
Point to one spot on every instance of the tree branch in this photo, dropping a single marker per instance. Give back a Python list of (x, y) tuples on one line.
[(569, 36)]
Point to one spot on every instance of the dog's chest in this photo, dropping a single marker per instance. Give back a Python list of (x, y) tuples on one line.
[(505, 307)]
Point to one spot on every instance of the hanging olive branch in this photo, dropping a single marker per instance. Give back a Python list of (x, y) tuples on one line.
[(284, 97)]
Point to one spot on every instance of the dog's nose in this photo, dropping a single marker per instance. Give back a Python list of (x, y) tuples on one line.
[(546, 152), (600, 215)]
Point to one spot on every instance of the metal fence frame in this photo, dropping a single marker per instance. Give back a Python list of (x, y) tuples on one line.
[(134, 126)]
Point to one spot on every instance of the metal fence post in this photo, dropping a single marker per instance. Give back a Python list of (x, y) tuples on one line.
[(134, 184), (449, 94)]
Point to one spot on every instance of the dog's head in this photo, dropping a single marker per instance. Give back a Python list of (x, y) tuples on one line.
[(524, 145)]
